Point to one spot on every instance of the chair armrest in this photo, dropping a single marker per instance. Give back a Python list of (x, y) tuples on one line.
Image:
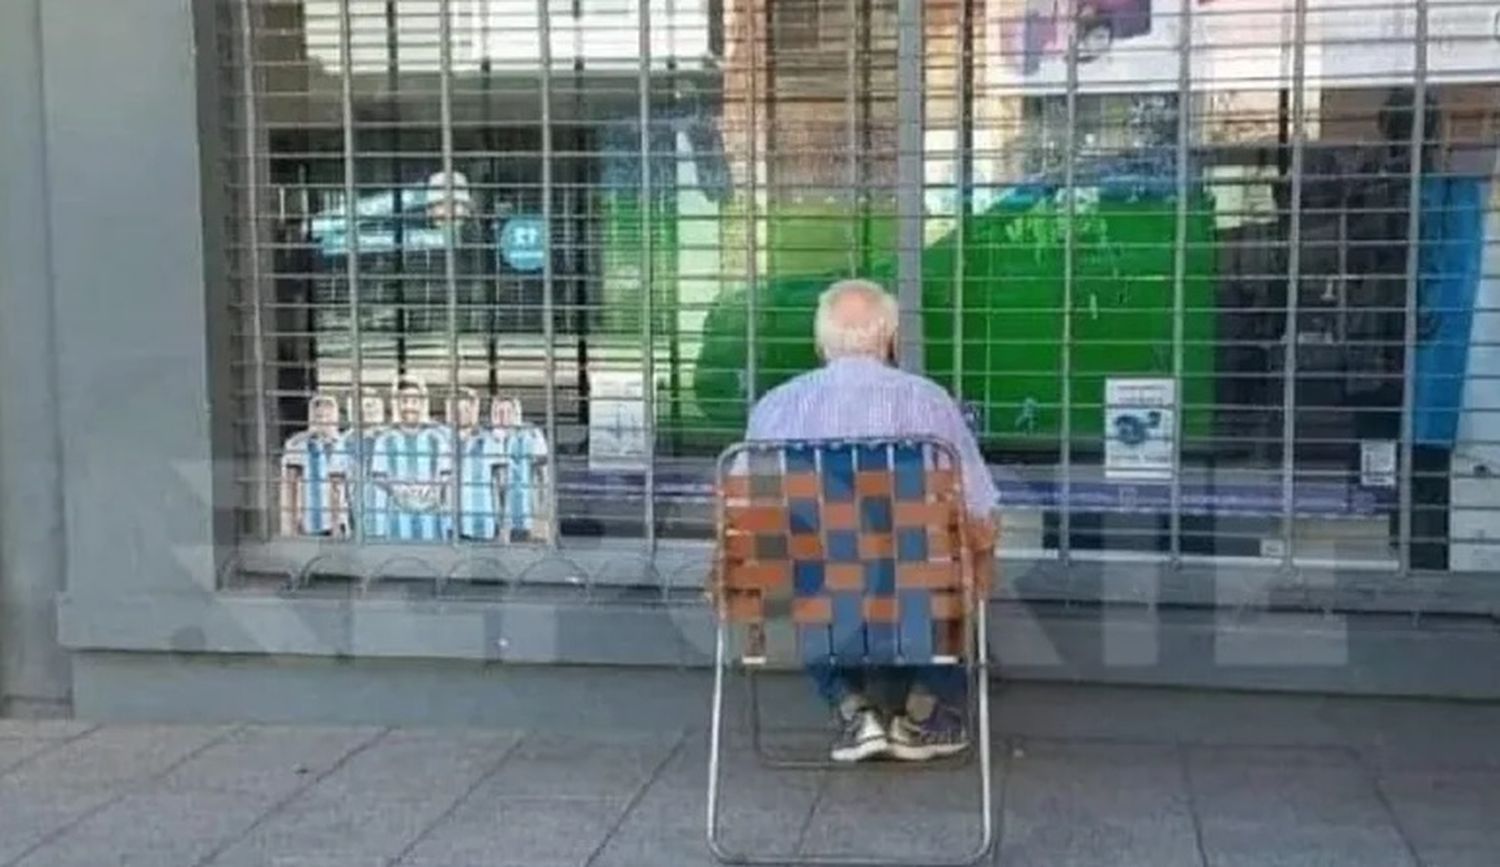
[(983, 536)]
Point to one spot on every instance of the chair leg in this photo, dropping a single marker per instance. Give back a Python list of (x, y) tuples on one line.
[(715, 748), (980, 686)]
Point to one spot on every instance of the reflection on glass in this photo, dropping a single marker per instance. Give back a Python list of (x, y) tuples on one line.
[(1241, 341)]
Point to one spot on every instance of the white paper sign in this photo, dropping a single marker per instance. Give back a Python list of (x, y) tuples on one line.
[(1139, 426), (617, 423), (1377, 463)]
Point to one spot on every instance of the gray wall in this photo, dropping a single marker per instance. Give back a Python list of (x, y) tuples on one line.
[(34, 674)]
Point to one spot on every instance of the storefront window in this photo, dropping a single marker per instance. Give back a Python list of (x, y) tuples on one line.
[(1211, 283)]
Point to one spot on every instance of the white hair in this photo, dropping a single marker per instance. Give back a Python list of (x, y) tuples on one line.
[(865, 330)]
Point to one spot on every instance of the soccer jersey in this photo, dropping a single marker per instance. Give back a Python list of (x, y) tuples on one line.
[(412, 456), (480, 456), (370, 501), (524, 446), (318, 460)]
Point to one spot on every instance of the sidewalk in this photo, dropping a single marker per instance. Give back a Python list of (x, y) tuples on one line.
[(1085, 776)]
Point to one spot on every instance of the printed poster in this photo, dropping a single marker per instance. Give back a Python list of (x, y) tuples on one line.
[(1140, 418)]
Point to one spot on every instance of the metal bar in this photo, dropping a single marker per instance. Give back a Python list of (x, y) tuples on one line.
[(1293, 289), (648, 347), (481, 23), (549, 327), (450, 254), (351, 260), (266, 493), (716, 742), (1070, 250), (851, 108), (393, 89), (909, 181), (1418, 149), (962, 148), (866, 113), (752, 236), (1179, 267)]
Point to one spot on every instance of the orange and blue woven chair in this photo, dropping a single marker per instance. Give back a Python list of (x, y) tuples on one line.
[(858, 552)]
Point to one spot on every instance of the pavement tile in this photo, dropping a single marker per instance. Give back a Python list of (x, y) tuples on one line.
[(1411, 735), (1446, 811), (679, 846), (1094, 803), (1457, 856), (246, 858), (314, 827), (377, 804), (844, 828), (419, 766), (29, 813), (756, 814), (266, 759), (514, 832), (1279, 788), (1258, 844), (561, 766), (1161, 716), (1108, 782), (151, 829), (1032, 840), (13, 751), (115, 755)]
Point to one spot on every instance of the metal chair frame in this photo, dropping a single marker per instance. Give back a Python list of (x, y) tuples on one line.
[(973, 656)]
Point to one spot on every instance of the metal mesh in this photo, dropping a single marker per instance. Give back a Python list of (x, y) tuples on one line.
[(1217, 281)]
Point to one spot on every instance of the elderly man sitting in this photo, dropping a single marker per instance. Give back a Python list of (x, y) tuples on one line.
[(858, 393)]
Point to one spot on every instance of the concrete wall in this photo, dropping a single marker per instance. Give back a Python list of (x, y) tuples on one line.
[(34, 675)]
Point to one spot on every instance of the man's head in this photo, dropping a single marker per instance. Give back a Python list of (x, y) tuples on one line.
[(505, 412), (411, 402), (465, 407), (323, 415), (371, 408), (856, 319)]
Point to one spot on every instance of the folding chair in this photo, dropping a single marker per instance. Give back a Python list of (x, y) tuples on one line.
[(856, 552)]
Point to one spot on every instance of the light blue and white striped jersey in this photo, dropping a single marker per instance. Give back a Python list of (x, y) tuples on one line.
[(523, 446), (853, 398), (318, 460), (371, 502), (481, 455), (420, 456)]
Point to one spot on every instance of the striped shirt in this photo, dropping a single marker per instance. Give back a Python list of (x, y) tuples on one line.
[(481, 455), (317, 460), (524, 445), (372, 500), (854, 398), (413, 456)]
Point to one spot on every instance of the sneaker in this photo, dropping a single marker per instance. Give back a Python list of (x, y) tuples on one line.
[(941, 734), (863, 737)]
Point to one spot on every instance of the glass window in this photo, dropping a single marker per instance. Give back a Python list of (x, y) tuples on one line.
[(1208, 287)]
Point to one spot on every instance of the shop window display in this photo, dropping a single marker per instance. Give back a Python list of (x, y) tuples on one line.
[(648, 299)]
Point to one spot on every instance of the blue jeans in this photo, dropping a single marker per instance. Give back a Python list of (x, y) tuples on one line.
[(890, 685)]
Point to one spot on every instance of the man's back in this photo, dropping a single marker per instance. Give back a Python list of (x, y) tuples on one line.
[(860, 397)]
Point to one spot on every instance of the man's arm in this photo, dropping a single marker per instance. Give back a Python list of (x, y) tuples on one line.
[(980, 495), (291, 499), (979, 486)]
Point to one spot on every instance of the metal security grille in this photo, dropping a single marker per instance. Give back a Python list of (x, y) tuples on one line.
[(1216, 281)]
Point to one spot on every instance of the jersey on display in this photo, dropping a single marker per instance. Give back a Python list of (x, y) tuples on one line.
[(411, 464)]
